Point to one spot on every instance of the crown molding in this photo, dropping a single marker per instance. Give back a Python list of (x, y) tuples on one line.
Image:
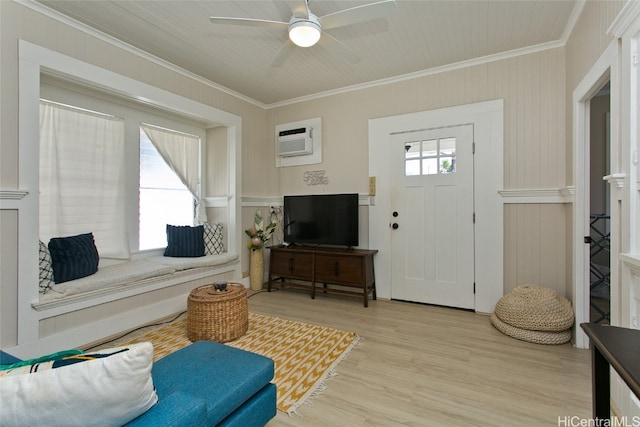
[(629, 13), (424, 73), (573, 20), (40, 8), (50, 13)]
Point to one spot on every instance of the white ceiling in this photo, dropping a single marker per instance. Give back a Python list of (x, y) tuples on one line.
[(420, 36)]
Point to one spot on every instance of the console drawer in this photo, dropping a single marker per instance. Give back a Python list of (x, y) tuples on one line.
[(292, 265), (340, 270)]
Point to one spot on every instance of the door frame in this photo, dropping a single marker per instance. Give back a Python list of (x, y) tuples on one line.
[(487, 118), (605, 68)]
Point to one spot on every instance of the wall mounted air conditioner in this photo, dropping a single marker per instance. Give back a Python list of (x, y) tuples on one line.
[(295, 142)]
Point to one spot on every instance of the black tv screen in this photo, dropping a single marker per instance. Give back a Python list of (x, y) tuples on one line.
[(321, 219)]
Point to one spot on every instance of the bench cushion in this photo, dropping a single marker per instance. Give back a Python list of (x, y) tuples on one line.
[(111, 276), (118, 276), (180, 264)]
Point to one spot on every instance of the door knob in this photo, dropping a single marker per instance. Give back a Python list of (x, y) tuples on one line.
[(395, 226), (395, 214)]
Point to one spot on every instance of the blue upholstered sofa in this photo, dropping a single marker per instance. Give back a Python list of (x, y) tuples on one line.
[(208, 384)]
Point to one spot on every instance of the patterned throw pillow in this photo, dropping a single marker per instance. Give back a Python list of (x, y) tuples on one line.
[(51, 361), (46, 271), (184, 241), (213, 241)]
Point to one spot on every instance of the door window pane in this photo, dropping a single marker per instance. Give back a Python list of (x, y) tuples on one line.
[(447, 155), (431, 157), (430, 166), (430, 148), (412, 155)]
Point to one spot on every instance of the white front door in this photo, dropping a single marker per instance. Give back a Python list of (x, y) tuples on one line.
[(432, 200)]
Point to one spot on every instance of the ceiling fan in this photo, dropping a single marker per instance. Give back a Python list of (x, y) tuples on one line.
[(305, 29)]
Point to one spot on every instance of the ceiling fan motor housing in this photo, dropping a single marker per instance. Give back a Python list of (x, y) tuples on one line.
[(305, 32)]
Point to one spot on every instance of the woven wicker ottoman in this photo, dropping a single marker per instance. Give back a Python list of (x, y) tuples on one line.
[(534, 314), (219, 316)]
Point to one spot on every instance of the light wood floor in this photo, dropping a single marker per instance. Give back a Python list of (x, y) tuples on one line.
[(419, 365)]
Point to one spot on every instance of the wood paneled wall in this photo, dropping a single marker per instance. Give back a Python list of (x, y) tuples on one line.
[(536, 237), (587, 42), (533, 89)]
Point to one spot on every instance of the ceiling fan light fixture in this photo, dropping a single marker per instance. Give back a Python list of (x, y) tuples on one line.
[(305, 32)]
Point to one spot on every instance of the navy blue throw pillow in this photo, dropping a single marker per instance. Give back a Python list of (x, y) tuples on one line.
[(73, 257), (184, 241)]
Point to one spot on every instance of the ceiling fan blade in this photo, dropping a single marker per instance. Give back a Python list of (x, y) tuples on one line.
[(283, 53), (337, 48), (249, 22), (354, 15), (300, 8)]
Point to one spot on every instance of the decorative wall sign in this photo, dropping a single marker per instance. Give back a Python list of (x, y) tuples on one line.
[(315, 178)]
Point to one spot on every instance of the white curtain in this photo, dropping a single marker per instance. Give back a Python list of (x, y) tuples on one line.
[(181, 151), (82, 181)]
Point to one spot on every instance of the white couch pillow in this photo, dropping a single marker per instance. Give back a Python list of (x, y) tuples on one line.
[(106, 391)]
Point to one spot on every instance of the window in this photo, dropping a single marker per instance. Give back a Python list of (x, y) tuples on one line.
[(155, 170), (164, 199), (431, 157), (82, 185)]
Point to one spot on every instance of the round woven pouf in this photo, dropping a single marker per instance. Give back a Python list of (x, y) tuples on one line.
[(536, 337), (535, 308), (217, 315)]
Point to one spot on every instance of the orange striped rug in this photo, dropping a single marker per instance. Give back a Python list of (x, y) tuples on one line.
[(304, 355)]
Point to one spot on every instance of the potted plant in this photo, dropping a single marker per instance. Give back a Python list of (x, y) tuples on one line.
[(259, 235)]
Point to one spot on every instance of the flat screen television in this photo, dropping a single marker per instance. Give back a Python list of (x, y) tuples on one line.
[(321, 219)]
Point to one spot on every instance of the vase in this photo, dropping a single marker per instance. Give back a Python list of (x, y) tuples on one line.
[(256, 269)]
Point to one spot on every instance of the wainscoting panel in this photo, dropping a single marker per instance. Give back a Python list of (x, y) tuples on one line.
[(536, 235)]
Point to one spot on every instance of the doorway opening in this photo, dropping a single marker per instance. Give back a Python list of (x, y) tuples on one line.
[(599, 207), (603, 74)]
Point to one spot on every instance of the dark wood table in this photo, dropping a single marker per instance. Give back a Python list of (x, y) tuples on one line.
[(616, 347), (351, 269)]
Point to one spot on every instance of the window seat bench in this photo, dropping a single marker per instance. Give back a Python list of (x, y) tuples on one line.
[(127, 274), (119, 297)]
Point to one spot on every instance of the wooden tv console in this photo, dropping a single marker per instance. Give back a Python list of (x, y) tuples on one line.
[(346, 268)]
